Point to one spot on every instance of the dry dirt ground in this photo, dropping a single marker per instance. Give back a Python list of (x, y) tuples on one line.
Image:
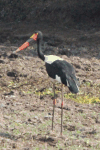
[(26, 96)]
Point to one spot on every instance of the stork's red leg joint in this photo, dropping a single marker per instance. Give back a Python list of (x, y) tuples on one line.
[(54, 101), (62, 104)]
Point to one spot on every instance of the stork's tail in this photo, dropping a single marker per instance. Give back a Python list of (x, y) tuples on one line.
[(73, 85)]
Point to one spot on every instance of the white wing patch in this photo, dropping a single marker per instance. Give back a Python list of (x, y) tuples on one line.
[(51, 58), (77, 87), (67, 83), (58, 78)]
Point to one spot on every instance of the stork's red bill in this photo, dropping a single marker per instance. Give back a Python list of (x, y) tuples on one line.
[(26, 44)]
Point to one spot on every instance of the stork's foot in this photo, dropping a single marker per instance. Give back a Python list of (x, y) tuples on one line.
[(63, 137), (52, 133), (57, 136)]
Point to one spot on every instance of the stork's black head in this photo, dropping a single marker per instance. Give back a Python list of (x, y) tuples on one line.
[(37, 35)]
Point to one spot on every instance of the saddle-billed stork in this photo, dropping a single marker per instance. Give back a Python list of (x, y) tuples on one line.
[(57, 68)]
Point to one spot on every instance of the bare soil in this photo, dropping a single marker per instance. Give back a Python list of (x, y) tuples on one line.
[(26, 96)]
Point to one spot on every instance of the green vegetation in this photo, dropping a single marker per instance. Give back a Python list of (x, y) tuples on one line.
[(83, 98), (80, 98)]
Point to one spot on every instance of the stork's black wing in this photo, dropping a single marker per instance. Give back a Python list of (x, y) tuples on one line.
[(66, 73)]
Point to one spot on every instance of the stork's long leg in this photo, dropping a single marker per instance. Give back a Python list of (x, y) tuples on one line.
[(61, 108), (54, 103)]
